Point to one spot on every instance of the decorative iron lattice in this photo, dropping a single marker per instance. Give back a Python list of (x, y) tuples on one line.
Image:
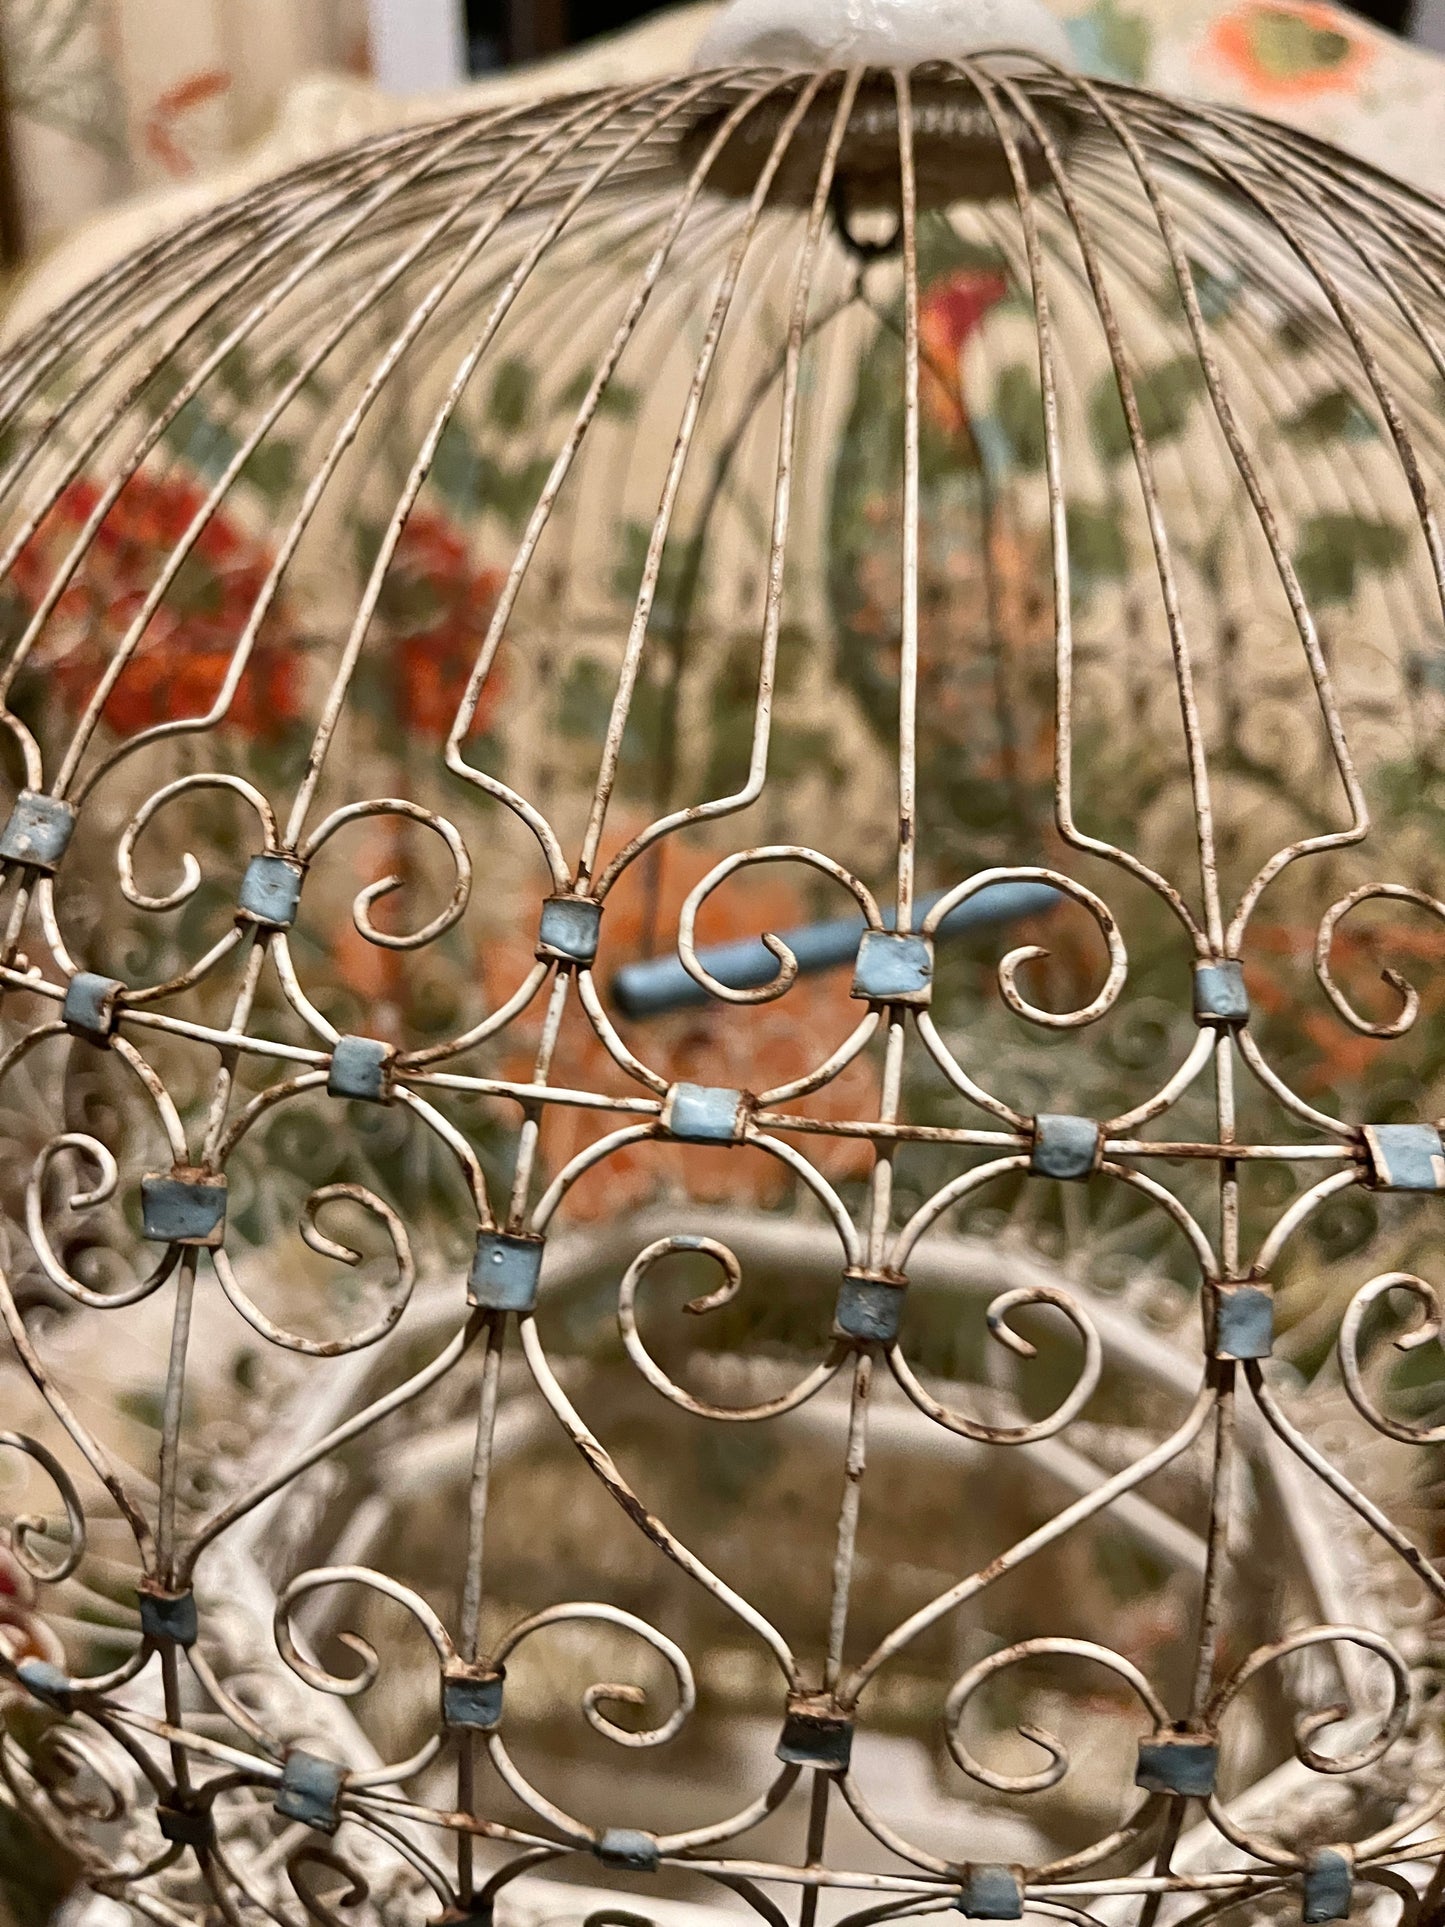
[(1044, 473)]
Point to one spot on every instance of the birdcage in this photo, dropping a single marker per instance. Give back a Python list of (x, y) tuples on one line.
[(702, 787)]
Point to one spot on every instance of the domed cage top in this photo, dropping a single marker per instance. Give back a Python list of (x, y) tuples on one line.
[(867, 507)]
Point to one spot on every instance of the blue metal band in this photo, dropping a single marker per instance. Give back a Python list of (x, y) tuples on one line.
[(91, 1006), (628, 1849), (1184, 1763), (1405, 1157), (570, 931), (361, 1069), (991, 1893), (1219, 994), (869, 1309), (271, 890), (1065, 1147), (1329, 1887), (183, 1208), (38, 832), (505, 1271), (472, 1696), (1243, 1321), (169, 1615), (310, 1791), (893, 969), (816, 1736), (704, 1114)]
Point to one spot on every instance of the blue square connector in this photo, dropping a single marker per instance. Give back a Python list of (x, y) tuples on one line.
[(1183, 1763), (92, 1008), (1065, 1147), (271, 891), (704, 1114), (472, 1696), (628, 1850), (991, 1893), (183, 1208), (570, 930), (1242, 1316), (1220, 997), (169, 1615), (816, 1734), (361, 1069), (1405, 1157), (893, 969), (1329, 1887), (870, 1308), (310, 1791), (38, 832), (505, 1271)]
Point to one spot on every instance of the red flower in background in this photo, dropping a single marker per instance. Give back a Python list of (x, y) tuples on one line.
[(182, 660), (24, 1635), (439, 605), (952, 311)]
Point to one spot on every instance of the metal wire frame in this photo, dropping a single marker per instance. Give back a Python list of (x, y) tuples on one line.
[(462, 222)]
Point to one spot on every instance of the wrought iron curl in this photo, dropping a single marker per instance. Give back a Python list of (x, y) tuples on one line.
[(26, 1526), (723, 1294), (964, 1689), (1429, 1319), (1409, 997), (397, 1298)]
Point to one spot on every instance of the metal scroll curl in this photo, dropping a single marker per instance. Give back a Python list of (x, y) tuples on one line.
[(28, 1526), (1426, 1329), (723, 1294)]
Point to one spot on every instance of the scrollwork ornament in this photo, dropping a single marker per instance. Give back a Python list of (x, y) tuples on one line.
[(1409, 1011), (1044, 1777), (1426, 1330), (407, 811), (311, 1855), (92, 1151), (787, 962), (27, 1526), (325, 1246), (723, 1294)]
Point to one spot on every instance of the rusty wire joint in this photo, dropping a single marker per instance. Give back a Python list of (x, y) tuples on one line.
[(310, 1790), (506, 1269), (270, 893), (1239, 1319), (472, 1696), (870, 1304), (37, 833), (816, 1733), (92, 1007), (186, 1206)]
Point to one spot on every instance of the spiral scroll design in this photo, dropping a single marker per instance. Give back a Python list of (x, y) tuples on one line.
[(1426, 1329), (1044, 1777), (418, 645)]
